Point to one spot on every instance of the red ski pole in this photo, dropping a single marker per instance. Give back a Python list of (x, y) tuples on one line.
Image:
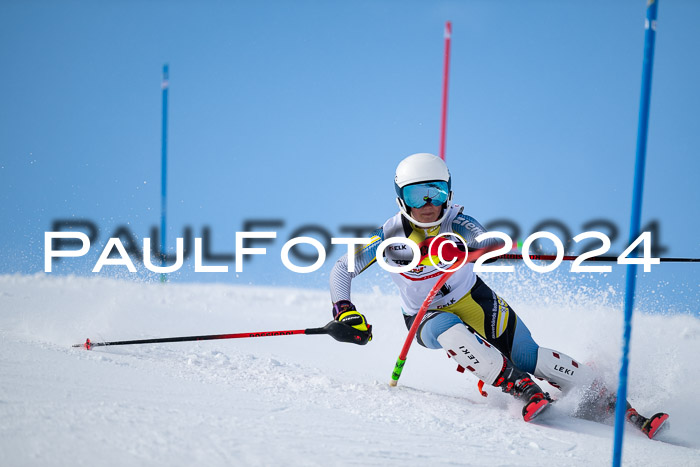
[(327, 329)]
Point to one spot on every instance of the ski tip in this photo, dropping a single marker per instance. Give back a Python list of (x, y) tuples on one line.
[(656, 423), (393, 383), (533, 408)]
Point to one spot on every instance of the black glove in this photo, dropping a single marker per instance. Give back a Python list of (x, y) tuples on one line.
[(349, 324)]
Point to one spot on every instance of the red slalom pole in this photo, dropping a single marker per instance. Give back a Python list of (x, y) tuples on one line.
[(445, 78), (324, 330), (459, 258), (452, 253)]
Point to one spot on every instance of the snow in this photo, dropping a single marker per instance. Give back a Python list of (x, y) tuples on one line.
[(307, 400)]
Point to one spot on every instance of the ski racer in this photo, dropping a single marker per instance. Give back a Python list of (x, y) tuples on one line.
[(467, 319)]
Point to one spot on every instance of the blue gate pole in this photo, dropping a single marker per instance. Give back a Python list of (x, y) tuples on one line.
[(635, 221), (164, 170)]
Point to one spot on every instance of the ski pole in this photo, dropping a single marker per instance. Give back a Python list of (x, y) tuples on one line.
[(519, 256), (329, 328)]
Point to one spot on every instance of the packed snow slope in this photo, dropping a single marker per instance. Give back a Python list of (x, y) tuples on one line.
[(307, 400)]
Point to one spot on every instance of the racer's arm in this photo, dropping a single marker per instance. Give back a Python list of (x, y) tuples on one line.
[(365, 256), (354, 325)]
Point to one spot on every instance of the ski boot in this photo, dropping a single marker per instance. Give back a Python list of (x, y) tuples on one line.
[(519, 384), (649, 426), (598, 404)]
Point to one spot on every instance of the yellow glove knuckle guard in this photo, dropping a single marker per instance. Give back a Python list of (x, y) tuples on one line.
[(355, 319)]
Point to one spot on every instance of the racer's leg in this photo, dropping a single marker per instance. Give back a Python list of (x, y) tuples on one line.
[(445, 330)]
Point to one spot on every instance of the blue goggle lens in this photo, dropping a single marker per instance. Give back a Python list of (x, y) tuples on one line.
[(417, 196)]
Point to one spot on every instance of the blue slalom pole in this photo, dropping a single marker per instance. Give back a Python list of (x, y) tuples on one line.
[(635, 221), (164, 170)]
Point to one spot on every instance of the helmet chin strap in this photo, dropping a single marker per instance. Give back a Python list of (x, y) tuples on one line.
[(404, 212)]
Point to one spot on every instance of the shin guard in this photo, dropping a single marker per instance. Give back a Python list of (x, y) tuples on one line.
[(562, 371), (472, 352)]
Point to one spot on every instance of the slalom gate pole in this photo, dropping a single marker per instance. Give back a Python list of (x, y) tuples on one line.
[(243, 335), (445, 76), (635, 223), (459, 258), (398, 368), (163, 170), (519, 256)]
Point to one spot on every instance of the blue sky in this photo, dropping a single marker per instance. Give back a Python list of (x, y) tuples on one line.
[(300, 111)]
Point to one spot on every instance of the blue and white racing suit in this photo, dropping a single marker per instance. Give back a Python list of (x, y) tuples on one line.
[(464, 298)]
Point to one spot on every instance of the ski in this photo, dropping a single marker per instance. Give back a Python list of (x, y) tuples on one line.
[(649, 426), (536, 406)]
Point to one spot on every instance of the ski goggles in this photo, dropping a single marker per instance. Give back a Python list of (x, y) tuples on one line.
[(420, 194)]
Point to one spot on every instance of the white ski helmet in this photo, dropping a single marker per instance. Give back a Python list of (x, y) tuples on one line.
[(420, 169)]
